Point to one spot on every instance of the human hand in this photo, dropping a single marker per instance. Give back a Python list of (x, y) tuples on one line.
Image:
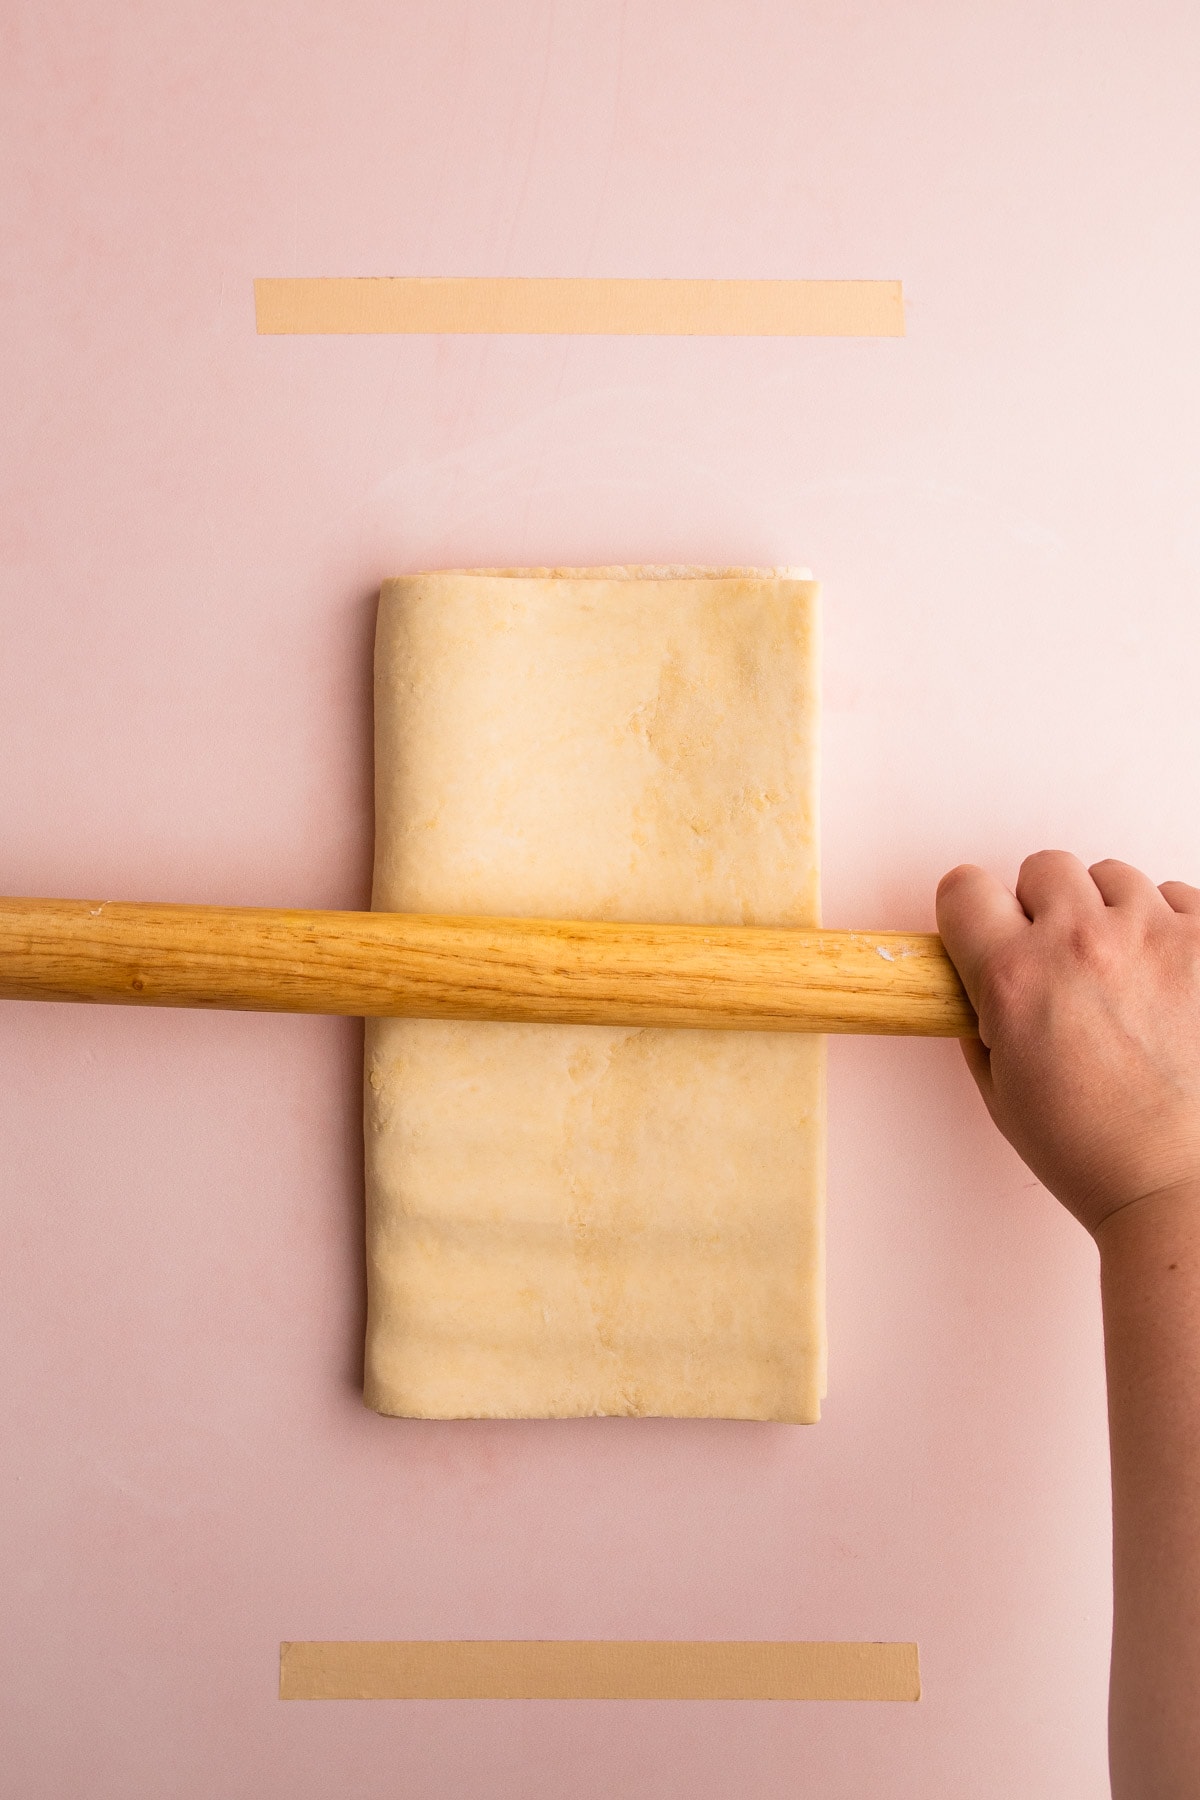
[(1087, 986)]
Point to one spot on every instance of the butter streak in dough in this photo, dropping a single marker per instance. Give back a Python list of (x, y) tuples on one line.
[(567, 1220)]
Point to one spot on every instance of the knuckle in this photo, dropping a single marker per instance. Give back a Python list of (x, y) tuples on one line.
[(1180, 895), (1044, 859), (1004, 984), (954, 878), (1091, 947)]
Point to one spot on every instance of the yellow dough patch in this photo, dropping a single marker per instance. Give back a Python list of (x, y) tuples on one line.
[(567, 1220)]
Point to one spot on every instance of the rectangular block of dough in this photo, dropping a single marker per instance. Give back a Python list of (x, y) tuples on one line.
[(567, 1220)]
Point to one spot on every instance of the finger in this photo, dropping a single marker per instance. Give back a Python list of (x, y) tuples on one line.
[(1120, 884), (1055, 882), (1180, 897), (975, 915)]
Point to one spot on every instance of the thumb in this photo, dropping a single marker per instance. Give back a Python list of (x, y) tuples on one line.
[(976, 914)]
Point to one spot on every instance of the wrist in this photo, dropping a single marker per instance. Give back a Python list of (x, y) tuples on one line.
[(1150, 1223)]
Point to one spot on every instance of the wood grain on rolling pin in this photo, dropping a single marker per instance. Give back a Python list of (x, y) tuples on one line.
[(716, 977)]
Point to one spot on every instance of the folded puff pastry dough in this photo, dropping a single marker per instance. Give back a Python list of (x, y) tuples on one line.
[(567, 1220)]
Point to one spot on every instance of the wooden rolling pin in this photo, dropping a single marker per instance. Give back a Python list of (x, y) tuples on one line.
[(718, 977)]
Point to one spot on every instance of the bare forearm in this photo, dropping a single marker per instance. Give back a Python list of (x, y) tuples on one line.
[(1087, 986), (1150, 1276)]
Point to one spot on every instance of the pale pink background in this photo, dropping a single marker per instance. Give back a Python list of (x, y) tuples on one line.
[(1003, 509)]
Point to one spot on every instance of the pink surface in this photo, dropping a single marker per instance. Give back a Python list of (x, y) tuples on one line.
[(1003, 510)]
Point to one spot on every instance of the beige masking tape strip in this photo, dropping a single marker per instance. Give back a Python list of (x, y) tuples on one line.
[(532, 1669), (580, 307)]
